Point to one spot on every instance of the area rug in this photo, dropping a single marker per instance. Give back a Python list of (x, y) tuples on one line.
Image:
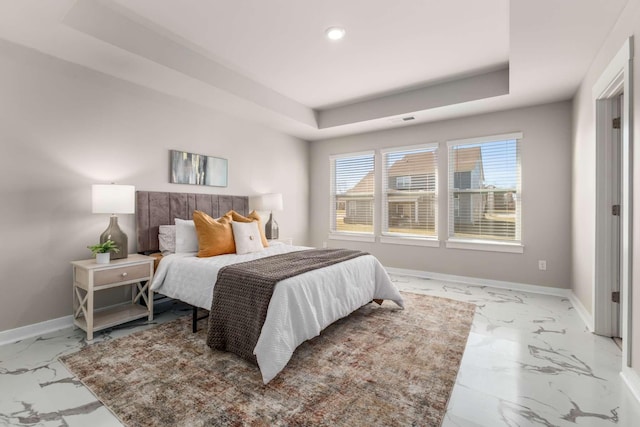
[(380, 366)]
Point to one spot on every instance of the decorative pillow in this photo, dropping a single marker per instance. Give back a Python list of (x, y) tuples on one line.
[(253, 216), (215, 236), (167, 239), (186, 237), (246, 237)]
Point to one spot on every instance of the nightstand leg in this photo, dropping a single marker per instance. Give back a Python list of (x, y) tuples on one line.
[(150, 303), (74, 301), (89, 315)]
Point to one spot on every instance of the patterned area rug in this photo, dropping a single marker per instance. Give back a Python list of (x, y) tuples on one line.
[(380, 366)]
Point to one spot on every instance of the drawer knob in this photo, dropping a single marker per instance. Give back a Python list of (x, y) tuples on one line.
[(124, 274)]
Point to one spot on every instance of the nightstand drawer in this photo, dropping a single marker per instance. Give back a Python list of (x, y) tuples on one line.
[(121, 274)]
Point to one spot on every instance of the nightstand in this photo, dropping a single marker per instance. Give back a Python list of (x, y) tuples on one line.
[(89, 277)]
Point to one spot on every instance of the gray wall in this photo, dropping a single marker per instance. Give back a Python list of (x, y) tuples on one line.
[(546, 196), (64, 127)]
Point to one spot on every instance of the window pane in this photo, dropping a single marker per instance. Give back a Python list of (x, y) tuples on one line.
[(484, 191), (409, 182), (352, 192)]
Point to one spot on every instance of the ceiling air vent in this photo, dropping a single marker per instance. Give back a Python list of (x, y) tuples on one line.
[(401, 119)]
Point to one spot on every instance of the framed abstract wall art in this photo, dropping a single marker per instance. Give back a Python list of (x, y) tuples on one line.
[(197, 169)]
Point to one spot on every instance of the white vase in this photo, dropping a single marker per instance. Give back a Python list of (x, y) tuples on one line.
[(103, 258)]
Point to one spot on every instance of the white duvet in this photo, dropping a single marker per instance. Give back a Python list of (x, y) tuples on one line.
[(301, 306)]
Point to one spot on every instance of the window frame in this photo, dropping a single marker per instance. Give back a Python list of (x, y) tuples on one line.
[(452, 242)]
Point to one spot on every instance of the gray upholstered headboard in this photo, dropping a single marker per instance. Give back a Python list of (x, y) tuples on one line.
[(154, 209)]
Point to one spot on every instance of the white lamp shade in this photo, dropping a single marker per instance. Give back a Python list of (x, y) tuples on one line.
[(269, 202), (113, 199)]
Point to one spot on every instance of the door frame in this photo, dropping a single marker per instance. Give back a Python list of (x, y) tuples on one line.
[(615, 79)]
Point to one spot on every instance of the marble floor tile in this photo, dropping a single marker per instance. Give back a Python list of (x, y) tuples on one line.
[(37, 390), (529, 361)]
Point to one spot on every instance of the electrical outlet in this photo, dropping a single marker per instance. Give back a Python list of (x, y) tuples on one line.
[(542, 265)]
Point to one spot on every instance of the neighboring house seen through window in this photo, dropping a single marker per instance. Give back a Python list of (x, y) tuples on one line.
[(409, 197), (352, 193), (484, 189)]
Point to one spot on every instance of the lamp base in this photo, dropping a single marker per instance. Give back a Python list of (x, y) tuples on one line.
[(271, 229), (114, 233)]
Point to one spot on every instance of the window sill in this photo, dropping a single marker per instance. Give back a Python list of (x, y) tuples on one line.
[(353, 237), (411, 241), (515, 248)]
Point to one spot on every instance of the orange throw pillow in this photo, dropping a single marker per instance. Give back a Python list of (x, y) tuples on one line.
[(215, 236), (253, 216)]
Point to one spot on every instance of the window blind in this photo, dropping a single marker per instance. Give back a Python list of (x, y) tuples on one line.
[(352, 193), (485, 189), (409, 191)]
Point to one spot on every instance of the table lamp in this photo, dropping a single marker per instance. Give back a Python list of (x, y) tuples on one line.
[(114, 199), (270, 202)]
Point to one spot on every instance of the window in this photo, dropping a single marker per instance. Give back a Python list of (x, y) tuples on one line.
[(352, 193), (462, 180), (484, 189), (403, 182), (409, 197)]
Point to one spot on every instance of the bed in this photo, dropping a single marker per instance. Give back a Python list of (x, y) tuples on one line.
[(301, 306)]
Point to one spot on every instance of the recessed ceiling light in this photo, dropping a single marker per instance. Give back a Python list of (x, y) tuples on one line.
[(335, 33)]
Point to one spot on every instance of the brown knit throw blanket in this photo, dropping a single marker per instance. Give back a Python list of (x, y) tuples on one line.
[(243, 291)]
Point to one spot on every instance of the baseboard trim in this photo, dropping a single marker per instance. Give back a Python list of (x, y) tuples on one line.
[(514, 286), (21, 333), (632, 381), (24, 332), (536, 289), (586, 317)]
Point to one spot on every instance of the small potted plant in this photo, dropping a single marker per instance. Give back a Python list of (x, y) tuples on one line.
[(102, 251)]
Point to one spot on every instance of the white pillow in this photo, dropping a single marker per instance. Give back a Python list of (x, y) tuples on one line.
[(167, 239), (247, 237), (186, 236)]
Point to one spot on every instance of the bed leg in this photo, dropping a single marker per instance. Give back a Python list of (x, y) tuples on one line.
[(378, 301), (194, 319)]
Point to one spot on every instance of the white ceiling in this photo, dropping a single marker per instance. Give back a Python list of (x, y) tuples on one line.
[(268, 61), (388, 45)]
